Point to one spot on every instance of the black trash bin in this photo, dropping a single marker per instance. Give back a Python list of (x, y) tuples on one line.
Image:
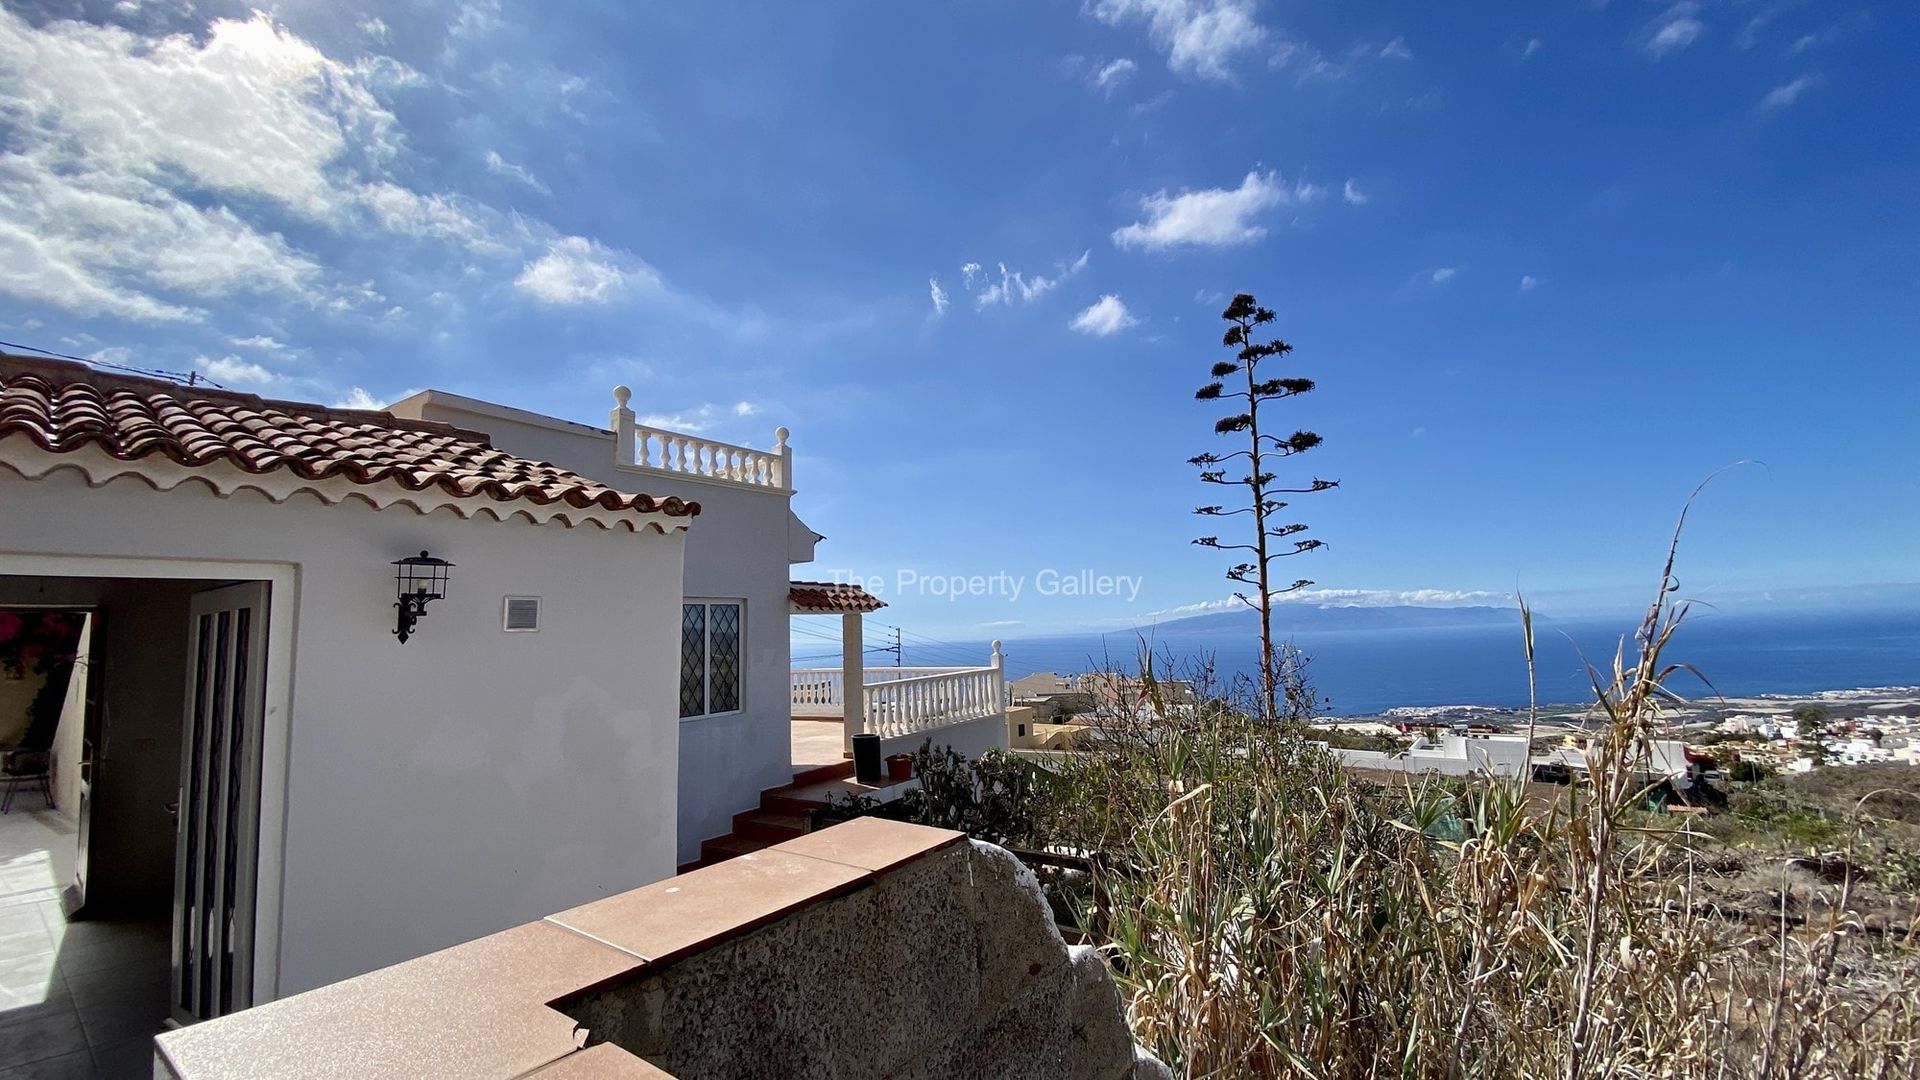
[(866, 758)]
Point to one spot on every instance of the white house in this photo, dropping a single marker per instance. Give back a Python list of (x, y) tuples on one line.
[(1451, 755), (599, 684), (740, 700), (344, 800)]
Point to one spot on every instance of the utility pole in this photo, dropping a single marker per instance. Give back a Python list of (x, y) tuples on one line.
[(893, 648)]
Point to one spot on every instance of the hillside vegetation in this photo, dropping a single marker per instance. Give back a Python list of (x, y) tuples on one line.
[(1267, 914)]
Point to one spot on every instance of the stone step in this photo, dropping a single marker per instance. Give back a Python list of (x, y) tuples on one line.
[(774, 802), (822, 773), (769, 825), (727, 847)]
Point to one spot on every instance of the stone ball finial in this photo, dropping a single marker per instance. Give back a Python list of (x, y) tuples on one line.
[(996, 644), (780, 434), (622, 395)]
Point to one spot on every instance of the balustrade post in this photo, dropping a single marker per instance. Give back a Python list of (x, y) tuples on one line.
[(782, 460), (999, 666), (621, 420)]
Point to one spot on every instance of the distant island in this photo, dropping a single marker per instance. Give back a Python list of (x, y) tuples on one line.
[(1292, 617)]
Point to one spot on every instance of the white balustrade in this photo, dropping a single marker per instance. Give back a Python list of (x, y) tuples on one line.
[(900, 701), (817, 691), (640, 447), (924, 702), (822, 691)]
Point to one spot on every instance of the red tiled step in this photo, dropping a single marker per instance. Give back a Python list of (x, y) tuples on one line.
[(727, 847), (772, 803), (774, 827), (820, 773)]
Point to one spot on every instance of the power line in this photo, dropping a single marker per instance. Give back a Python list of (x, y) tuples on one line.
[(190, 378), (954, 653)]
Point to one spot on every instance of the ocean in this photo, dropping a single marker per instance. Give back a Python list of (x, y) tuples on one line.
[(1366, 671)]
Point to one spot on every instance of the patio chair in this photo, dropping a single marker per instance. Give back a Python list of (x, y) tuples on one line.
[(22, 765)]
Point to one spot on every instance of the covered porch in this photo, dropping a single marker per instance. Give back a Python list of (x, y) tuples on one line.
[(902, 705)]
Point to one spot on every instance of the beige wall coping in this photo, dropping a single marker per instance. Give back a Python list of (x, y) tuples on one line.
[(485, 1009)]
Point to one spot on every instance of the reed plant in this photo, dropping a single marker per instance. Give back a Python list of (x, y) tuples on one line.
[(1268, 914)]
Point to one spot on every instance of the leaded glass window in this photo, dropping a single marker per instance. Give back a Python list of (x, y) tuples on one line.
[(710, 657), (693, 659), (723, 664)]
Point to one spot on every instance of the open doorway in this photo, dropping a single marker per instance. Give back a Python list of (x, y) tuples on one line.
[(127, 891)]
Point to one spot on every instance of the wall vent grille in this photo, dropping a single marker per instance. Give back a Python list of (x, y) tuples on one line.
[(522, 615)]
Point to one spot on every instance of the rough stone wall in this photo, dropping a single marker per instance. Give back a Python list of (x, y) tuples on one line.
[(949, 966)]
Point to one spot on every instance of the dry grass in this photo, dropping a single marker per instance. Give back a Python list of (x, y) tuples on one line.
[(1269, 915)]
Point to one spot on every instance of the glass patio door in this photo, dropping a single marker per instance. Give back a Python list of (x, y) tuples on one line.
[(219, 817)]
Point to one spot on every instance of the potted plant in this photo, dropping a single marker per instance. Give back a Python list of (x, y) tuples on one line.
[(899, 767)]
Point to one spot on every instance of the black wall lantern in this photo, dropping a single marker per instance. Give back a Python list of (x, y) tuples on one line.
[(418, 579)]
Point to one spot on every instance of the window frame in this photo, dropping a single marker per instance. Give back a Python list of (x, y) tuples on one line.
[(706, 674)]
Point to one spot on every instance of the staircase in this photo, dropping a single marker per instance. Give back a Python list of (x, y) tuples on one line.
[(781, 815)]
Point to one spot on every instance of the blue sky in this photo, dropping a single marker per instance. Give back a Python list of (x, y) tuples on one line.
[(1551, 263)]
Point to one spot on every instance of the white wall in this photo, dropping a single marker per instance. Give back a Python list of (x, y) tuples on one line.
[(737, 548), (971, 739), (69, 736), (16, 698), (466, 781), (1455, 755)]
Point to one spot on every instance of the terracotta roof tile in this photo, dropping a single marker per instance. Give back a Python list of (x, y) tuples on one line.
[(829, 596), (61, 407)]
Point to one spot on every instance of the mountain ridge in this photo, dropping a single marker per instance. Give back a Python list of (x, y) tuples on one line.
[(1290, 617)]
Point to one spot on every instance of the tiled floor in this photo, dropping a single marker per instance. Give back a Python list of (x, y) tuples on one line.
[(817, 742), (77, 1000)]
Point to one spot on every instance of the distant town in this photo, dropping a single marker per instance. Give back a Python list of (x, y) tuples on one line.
[(1717, 740), (1779, 732)]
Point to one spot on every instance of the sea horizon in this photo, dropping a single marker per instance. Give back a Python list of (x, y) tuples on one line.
[(1358, 672)]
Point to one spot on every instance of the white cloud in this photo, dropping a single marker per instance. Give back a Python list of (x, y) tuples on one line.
[(1528, 283), (1113, 74), (694, 422), (375, 28), (1202, 38), (1830, 34), (233, 371), (1310, 65), (138, 167), (577, 271), (701, 418), (358, 398), (477, 19), (1014, 285), (1532, 47), (1395, 597), (1443, 274), (1353, 194), (1676, 28), (939, 296), (1787, 93), (1371, 598), (500, 166), (1104, 317), (1211, 217), (435, 217)]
